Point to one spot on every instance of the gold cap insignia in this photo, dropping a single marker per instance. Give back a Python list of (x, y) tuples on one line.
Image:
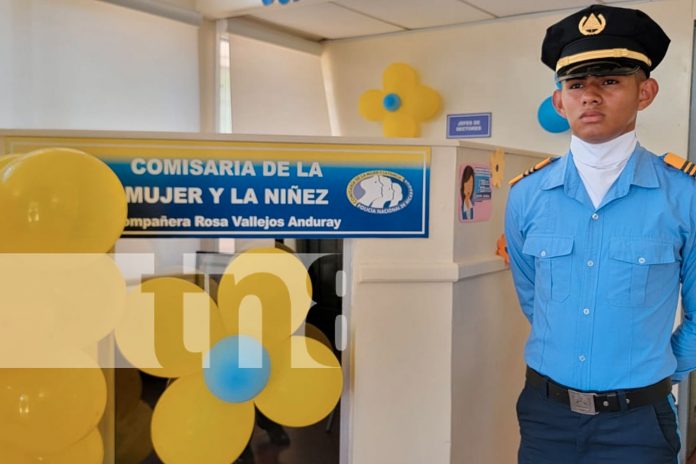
[(592, 25)]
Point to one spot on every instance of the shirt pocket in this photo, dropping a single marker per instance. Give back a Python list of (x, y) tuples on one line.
[(630, 262), (552, 264)]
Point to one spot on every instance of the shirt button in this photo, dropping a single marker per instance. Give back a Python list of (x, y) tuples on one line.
[(641, 260), (586, 311), (543, 253), (590, 263), (581, 358), (595, 216)]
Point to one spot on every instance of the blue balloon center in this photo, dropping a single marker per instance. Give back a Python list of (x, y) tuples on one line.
[(392, 102), (239, 368)]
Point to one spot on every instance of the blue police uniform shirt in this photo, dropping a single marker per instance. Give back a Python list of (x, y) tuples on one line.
[(600, 286)]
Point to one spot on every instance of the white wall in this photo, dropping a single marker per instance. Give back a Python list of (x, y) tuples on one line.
[(494, 66), (276, 90), (83, 64)]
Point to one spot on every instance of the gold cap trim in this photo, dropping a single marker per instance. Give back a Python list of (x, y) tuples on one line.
[(605, 53)]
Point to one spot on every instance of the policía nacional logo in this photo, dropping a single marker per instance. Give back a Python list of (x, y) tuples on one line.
[(592, 25), (379, 192)]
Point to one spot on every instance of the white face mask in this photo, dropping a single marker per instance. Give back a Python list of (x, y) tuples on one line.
[(599, 165)]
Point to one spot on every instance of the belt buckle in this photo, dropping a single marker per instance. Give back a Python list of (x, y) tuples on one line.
[(582, 403)]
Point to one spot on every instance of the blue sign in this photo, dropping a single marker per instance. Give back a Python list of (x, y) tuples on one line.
[(229, 188), (469, 126), (282, 190)]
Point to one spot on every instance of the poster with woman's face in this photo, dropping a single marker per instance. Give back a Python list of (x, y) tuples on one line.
[(474, 192)]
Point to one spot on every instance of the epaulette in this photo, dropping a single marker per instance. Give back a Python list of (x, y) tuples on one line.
[(536, 167), (680, 163)]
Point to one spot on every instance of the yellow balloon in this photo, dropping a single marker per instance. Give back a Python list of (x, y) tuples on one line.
[(168, 323), (89, 450), (14, 455), (60, 200), (90, 297), (45, 410), (133, 435), (305, 384), (129, 389), (7, 159), (54, 302), (265, 293), (371, 106), (313, 332), (191, 425)]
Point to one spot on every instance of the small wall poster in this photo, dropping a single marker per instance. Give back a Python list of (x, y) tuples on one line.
[(474, 199)]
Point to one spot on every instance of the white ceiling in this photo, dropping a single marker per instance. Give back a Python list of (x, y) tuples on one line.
[(338, 19)]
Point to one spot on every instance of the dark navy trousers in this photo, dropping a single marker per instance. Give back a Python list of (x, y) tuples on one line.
[(553, 434)]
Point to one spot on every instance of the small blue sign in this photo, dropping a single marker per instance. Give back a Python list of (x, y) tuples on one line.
[(469, 126)]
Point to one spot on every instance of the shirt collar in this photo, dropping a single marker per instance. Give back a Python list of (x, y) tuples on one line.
[(644, 174), (639, 171)]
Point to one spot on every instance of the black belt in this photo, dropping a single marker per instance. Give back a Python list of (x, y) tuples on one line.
[(596, 402)]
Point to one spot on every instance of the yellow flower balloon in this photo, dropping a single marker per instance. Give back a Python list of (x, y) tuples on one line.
[(402, 104), (191, 425), (154, 334), (60, 200), (265, 294), (305, 385), (312, 331)]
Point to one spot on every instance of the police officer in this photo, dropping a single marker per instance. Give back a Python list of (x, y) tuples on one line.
[(601, 242)]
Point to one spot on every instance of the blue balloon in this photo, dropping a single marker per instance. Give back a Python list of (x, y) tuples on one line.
[(239, 368), (549, 119), (267, 2), (391, 102)]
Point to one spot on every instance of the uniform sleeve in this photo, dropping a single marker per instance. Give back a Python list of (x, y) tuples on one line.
[(521, 265), (684, 338)]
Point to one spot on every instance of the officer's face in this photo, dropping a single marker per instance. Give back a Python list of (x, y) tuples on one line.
[(600, 109)]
